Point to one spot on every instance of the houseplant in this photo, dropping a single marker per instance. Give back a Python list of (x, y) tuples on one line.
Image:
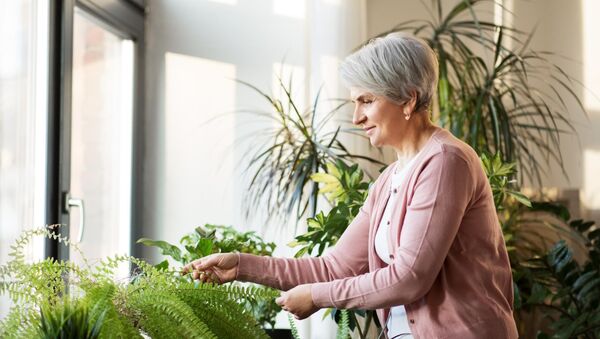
[(297, 146), (220, 239), (61, 298), (345, 188), (494, 91), (565, 292)]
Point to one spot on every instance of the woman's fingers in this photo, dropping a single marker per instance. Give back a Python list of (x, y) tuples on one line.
[(216, 268), (207, 276), (281, 302), (200, 264)]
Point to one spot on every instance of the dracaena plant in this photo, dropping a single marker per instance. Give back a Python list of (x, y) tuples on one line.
[(494, 91), (298, 145)]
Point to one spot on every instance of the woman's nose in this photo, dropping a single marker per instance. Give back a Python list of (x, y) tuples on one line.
[(357, 117)]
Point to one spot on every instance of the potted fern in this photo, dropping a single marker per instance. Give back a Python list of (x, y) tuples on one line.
[(61, 299)]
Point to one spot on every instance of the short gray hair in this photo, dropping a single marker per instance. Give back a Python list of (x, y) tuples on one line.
[(394, 66)]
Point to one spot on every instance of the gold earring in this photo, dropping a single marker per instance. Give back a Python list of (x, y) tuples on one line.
[(407, 116)]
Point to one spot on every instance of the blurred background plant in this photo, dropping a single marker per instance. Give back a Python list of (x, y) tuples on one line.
[(489, 93), (298, 146)]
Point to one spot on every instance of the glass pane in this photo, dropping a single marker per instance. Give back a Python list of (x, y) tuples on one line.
[(101, 138), (23, 123)]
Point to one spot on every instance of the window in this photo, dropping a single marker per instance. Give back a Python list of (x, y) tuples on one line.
[(24, 38)]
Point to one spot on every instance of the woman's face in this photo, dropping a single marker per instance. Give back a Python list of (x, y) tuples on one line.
[(381, 119)]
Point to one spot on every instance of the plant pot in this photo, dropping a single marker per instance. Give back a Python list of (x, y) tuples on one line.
[(279, 333)]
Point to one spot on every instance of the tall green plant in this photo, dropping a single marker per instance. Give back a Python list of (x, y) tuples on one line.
[(494, 91)]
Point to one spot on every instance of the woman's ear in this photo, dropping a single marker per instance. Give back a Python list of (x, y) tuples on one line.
[(409, 106)]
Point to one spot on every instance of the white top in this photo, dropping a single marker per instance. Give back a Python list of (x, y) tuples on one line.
[(397, 322)]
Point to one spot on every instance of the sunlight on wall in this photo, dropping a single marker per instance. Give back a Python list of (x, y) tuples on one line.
[(329, 66), (197, 158), (290, 8), (332, 2), (591, 54), (225, 2), (330, 75), (591, 183), (298, 86)]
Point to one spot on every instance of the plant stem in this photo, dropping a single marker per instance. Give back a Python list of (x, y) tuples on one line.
[(368, 319), (556, 308)]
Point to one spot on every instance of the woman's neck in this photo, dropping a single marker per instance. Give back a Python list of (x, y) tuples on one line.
[(414, 139)]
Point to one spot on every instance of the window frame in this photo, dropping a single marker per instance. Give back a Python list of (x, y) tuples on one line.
[(127, 19)]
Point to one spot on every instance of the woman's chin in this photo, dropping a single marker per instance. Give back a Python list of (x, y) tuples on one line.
[(375, 142)]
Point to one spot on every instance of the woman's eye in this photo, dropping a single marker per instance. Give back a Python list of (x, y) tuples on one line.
[(367, 101)]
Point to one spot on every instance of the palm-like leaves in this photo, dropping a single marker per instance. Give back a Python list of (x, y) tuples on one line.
[(298, 146), (496, 97)]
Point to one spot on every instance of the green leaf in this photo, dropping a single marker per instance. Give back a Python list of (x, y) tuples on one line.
[(538, 294), (163, 265), (205, 247), (520, 197), (166, 248)]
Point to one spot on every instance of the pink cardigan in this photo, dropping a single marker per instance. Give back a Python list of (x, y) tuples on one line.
[(450, 266)]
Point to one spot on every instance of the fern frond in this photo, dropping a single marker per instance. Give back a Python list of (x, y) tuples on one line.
[(100, 301), (226, 318), (343, 331), (19, 323), (164, 315), (225, 302), (238, 292), (293, 327)]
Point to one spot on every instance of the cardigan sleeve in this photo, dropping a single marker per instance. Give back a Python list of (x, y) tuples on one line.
[(347, 258), (442, 192)]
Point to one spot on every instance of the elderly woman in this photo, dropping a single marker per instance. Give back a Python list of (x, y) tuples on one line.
[(426, 249)]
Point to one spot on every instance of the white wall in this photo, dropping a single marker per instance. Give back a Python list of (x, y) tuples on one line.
[(195, 48), (194, 51)]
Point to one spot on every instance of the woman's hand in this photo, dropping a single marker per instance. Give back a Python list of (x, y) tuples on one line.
[(298, 301), (219, 268)]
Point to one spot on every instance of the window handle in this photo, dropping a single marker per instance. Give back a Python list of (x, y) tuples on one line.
[(75, 202)]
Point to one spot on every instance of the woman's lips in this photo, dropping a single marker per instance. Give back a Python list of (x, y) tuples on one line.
[(369, 130)]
